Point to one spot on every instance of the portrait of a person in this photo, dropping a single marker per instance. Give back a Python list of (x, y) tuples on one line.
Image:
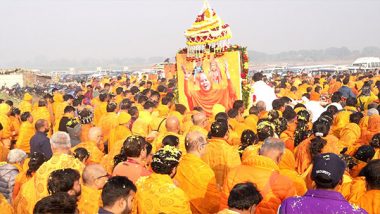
[(206, 96)]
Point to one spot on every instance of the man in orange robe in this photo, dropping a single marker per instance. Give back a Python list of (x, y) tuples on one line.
[(287, 136), (26, 132), (121, 132), (42, 112), (36, 188), (303, 156), (100, 107), (343, 117), (287, 168), (172, 125), (252, 119), (108, 121), (350, 134), (92, 146), (220, 155), (370, 201), (26, 103), (7, 132), (94, 178), (373, 128), (263, 170), (196, 178), (315, 95)]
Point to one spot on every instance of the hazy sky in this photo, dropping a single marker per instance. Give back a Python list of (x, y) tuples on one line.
[(79, 29)]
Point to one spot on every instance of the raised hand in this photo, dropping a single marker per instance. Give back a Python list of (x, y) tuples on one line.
[(187, 75), (226, 69)]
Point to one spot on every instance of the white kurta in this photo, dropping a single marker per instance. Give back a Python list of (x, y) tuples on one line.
[(263, 92)]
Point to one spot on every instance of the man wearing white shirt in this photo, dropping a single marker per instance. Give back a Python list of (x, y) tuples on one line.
[(313, 106), (262, 91)]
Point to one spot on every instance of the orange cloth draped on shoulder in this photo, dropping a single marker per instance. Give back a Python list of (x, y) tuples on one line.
[(251, 151), (42, 113), (198, 181), (288, 136), (25, 200), (345, 187), (303, 156), (370, 201), (108, 122), (95, 154), (233, 138), (90, 200), (342, 119), (358, 189), (26, 133), (335, 87), (140, 127), (108, 160), (132, 168), (287, 168), (292, 95), (5, 207), (85, 129), (263, 114), (364, 123), (314, 96), (221, 157), (349, 137), (3, 152), (207, 99), (21, 179), (25, 106), (251, 122), (373, 128), (263, 172), (120, 133), (238, 128), (58, 114), (59, 161), (15, 126), (157, 193), (100, 109), (6, 122)]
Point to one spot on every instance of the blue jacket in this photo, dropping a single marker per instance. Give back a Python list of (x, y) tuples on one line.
[(41, 143), (346, 92)]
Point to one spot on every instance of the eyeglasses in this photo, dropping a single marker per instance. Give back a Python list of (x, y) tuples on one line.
[(103, 176)]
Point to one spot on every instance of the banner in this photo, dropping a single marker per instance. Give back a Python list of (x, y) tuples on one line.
[(213, 80)]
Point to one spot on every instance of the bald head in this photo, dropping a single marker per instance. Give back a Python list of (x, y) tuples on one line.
[(172, 124), (95, 134), (91, 173), (261, 106), (193, 141), (199, 119)]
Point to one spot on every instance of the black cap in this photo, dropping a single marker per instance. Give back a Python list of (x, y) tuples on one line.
[(328, 168)]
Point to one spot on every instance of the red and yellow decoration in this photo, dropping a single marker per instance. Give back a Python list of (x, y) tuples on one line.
[(207, 34)]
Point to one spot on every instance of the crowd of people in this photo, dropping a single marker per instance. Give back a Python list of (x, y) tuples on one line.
[(308, 144)]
